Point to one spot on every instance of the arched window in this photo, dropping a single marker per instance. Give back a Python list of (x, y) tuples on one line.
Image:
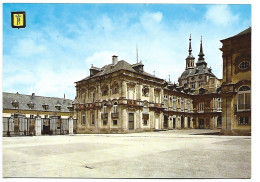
[(105, 108), (115, 108), (243, 98)]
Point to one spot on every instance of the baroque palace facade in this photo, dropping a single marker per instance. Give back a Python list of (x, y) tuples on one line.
[(122, 97)]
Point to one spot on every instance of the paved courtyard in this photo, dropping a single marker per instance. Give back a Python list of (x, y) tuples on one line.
[(165, 154)]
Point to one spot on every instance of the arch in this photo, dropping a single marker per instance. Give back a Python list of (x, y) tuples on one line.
[(244, 88)]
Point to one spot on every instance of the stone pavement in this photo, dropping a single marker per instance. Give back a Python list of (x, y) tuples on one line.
[(165, 154)]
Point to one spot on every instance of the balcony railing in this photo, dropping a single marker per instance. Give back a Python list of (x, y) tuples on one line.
[(91, 105), (131, 102), (114, 115), (104, 115), (242, 107), (158, 105)]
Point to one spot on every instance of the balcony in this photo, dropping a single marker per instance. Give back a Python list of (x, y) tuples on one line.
[(80, 107), (242, 107), (158, 105), (91, 105), (131, 102), (104, 115), (114, 115)]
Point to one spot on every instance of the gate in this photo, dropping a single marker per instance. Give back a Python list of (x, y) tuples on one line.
[(16, 126), (45, 126), (23, 126), (54, 126), (7, 127), (64, 126)]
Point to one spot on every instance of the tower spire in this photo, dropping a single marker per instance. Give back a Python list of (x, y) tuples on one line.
[(201, 54), (190, 58), (190, 49)]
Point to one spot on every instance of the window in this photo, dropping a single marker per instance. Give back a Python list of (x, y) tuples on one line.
[(156, 97), (115, 107), (199, 84), (145, 91), (115, 90), (131, 94), (92, 96), (104, 122), (173, 103), (104, 108), (201, 106), (92, 119), (182, 104), (145, 122), (83, 122), (244, 65), (243, 98), (165, 101), (114, 122), (243, 120), (192, 84), (188, 105), (105, 90), (219, 104)]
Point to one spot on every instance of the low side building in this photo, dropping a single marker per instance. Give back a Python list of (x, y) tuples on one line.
[(36, 115)]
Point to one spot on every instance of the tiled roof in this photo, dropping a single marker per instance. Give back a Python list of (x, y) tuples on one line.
[(38, 102)]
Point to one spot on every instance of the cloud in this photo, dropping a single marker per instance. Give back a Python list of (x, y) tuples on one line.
[(221, 15), (52, 58)]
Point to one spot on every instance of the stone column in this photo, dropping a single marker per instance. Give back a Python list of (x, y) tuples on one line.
[(71, 125), (38, 126)]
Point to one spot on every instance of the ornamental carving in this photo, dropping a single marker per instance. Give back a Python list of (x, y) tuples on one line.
[(145, 91)]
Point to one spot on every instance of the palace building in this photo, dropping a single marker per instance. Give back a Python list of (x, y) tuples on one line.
[(121, 97)]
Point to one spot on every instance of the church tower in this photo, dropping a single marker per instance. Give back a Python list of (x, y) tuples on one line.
[(190, 58)]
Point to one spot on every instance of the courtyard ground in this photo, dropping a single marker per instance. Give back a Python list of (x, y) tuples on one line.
[(165, 154)]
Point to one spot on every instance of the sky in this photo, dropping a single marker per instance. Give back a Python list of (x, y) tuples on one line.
[(61, 41)]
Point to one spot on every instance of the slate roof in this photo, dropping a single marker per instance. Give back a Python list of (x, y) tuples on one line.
[(246, 31), (200, 71), (121, 65), (38, 101)]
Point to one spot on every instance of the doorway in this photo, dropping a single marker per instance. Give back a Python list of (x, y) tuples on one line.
[(131, 125), (201, 124)]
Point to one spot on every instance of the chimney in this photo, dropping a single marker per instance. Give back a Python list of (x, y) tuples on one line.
[(33, 94), (114, 60), (64, 96)]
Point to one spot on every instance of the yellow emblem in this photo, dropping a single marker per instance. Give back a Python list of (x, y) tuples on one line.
[(18, 19)]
